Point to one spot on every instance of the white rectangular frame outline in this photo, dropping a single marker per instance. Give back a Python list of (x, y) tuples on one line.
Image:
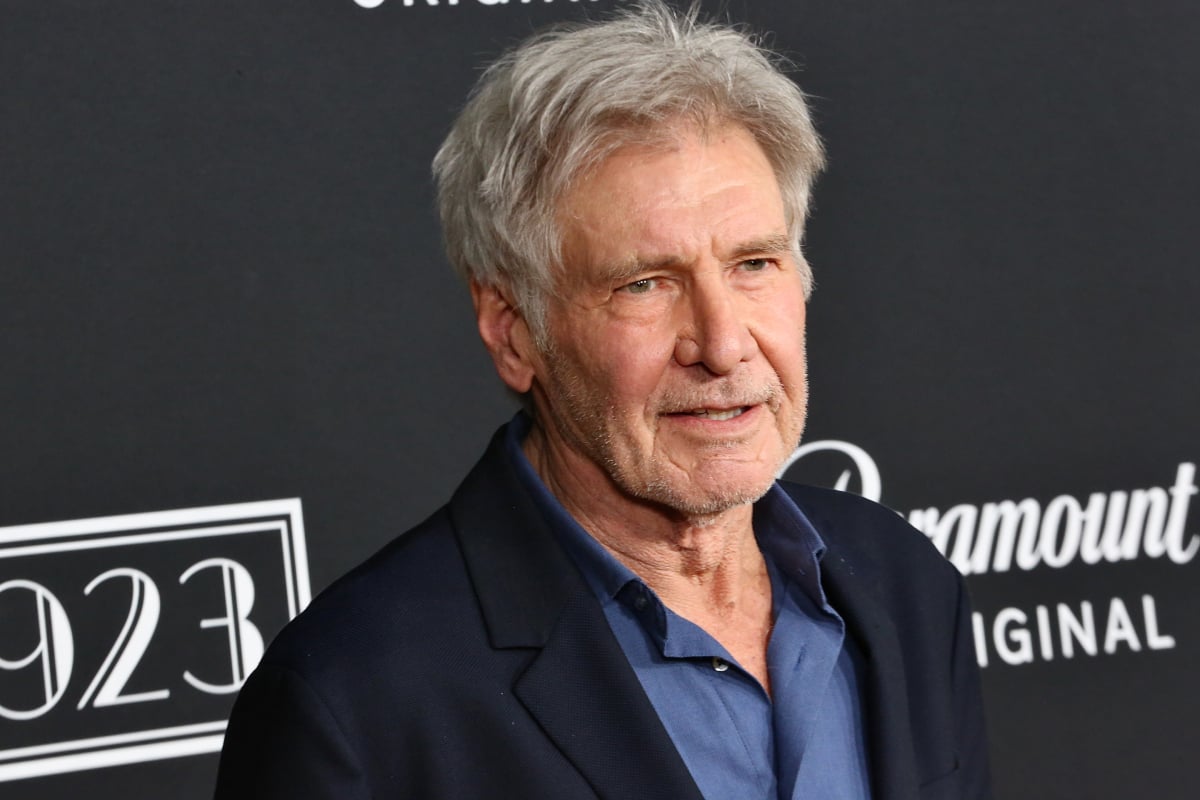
[(182, 740)]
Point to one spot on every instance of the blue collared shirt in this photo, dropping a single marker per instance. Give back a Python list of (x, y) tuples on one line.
[(738, 742)]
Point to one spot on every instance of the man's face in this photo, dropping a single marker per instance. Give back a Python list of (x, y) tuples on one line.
[(674, 371)]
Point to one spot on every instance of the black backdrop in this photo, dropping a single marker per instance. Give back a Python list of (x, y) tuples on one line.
[(222, 283)]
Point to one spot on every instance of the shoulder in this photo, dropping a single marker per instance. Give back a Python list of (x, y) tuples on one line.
[(852, 517), (407, 593)]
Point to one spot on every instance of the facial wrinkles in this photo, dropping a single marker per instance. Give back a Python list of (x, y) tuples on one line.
[(598, 431)]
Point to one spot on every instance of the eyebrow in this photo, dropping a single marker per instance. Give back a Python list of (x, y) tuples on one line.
[(770, 245)]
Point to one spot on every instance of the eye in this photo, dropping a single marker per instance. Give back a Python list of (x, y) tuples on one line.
[(640, 286), (755, 264)]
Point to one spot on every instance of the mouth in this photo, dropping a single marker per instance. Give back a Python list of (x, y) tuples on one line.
[(719, 414)]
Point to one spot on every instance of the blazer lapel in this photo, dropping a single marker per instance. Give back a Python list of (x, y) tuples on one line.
[(579, 687), (589, 701), (891, 758)]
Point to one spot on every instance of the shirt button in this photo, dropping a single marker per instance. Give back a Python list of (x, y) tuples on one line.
[(720, 664), (639, 602)]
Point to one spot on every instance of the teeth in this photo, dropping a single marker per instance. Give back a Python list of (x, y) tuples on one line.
[(718, 415)]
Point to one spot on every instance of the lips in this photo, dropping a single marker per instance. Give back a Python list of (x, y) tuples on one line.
[(717, 413), (720, 403)]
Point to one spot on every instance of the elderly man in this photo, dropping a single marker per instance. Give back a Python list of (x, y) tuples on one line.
[(620, 601)]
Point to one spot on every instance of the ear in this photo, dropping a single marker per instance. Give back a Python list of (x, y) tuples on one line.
[(506, 336)]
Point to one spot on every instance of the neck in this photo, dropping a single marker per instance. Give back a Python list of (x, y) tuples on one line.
[(700, 565)]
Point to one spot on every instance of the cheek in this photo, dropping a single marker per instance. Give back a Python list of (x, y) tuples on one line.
[(634, 376), (783, 345), (625, 362)]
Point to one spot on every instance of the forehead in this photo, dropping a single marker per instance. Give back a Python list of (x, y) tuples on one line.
[(689, 188)]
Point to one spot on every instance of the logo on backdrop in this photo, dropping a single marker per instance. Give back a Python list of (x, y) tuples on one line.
[(1023, 535), (378, 3), (124, 639)]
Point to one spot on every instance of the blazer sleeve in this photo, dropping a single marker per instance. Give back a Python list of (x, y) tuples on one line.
[(283, 743)]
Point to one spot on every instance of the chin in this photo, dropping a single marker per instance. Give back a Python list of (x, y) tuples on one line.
[(702, 500)]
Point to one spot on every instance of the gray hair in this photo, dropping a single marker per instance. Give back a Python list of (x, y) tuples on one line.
[(552, 108)]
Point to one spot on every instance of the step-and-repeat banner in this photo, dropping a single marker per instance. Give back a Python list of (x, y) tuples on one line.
[(235, 362)]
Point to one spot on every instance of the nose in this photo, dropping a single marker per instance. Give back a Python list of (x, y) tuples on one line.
[(715, 331)]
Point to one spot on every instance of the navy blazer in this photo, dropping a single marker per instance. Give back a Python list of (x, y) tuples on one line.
[(468, 659)]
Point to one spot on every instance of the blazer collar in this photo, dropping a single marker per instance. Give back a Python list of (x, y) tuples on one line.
[(521, 575), (579, 686)]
